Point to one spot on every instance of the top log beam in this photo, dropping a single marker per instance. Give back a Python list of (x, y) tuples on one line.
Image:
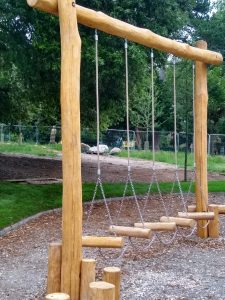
[(105, 23)]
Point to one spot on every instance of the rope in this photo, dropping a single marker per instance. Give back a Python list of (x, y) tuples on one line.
[(175, 112), (97, 98), (99, 181), (127, 104), (153, 110)]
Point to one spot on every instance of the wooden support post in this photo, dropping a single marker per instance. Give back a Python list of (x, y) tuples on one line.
[(201, 104), (214, 226), (112, 275), (57, 296), (101, 290), (54, 268), (87, 276), (70, 116)]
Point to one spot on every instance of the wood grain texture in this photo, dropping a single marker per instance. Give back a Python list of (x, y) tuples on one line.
[(54, 267), (101, 290), (201, 109), (87, 276), (70, 116), (131, 231), (105, 23), (113, 276), (158, 226), (179, 221)]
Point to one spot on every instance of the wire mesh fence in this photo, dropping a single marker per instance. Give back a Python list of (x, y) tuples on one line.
[(138, 139)]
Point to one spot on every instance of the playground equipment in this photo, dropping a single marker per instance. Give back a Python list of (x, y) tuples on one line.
[(69, 14)]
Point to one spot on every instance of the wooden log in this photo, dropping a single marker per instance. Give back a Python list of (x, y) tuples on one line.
[(101, 290), (112, 275), (158, 226), (57, 296), (197, 215), (221, 208), (87, 276), (102, 242), (131, 231), (179, 221), (70, 116), (101, 21), (54, 268), (201, 105), (214, 225)]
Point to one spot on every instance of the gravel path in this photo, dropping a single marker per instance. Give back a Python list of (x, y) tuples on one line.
[(188, 269)]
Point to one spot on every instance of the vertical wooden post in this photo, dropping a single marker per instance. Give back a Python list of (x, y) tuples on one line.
[(101, 290), (214, 225), (54, 268), (112, 275), (87, 276), (57, 296), (201, 105), (70, 115)]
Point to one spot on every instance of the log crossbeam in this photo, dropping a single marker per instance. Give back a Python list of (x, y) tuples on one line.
[(107, 24)]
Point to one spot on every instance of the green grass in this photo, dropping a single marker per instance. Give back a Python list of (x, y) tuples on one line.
[(19, 201), (215, 163), (51, 150)]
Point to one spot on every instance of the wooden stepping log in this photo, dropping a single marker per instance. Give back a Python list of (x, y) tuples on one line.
[(102, 242), (221, 208), (179, 221), (158, 226), (197, 215), (131, 231)]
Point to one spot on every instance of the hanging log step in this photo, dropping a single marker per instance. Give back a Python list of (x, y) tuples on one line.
[(197, 215), (102, 242), (157, 226), (221, 208), (179, 221), (131, 231)]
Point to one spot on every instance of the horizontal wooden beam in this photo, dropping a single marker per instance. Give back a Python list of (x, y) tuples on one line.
[(158, 226), (197, 215), (179, 221), (105, 23), (131, 231)]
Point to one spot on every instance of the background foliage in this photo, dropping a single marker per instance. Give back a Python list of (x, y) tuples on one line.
[(30, 64)]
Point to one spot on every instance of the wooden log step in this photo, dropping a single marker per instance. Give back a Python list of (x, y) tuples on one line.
[(221, 208), (197, 215), (158, 226), (131, 231), (179, 221), (102, 242)]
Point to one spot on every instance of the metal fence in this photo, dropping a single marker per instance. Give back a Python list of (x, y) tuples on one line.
[(139, 139)]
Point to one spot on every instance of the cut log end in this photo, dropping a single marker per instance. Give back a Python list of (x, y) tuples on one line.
[(57, 296)]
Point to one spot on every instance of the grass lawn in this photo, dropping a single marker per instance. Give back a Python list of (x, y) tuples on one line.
[(215, 163), (40, 150), (19, 201)]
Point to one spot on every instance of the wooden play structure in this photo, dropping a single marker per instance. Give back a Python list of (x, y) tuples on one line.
[(70, 276)]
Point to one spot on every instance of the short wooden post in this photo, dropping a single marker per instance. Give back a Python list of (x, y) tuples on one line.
[(57, 296), (112, 275), (101, 290), (54, 267), (87, 276), (214, 225), (200, 119)]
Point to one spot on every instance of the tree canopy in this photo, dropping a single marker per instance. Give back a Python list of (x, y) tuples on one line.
[(30, 64)]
